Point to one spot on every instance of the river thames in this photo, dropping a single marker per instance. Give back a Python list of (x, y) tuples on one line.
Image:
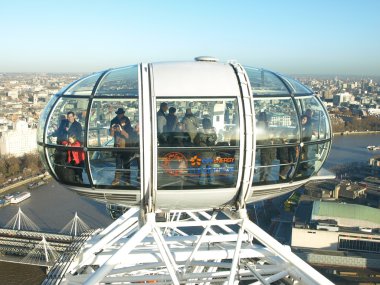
[(52, 206)]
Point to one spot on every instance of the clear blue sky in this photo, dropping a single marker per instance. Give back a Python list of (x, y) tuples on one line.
[(294, 36)]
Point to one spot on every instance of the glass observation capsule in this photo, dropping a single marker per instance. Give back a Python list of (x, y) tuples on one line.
[(184, 135)]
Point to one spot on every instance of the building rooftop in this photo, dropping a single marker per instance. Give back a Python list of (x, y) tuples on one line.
[(346, 211)]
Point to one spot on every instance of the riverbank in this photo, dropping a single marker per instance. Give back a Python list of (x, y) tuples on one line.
[(345, 133), (349, 149), (7, 188)]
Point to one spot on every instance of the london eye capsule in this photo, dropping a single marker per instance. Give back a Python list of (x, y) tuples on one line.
[(184, 135)]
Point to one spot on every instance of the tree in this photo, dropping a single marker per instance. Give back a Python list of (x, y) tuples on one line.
[(31, 161), (13, 166), (3, 167)]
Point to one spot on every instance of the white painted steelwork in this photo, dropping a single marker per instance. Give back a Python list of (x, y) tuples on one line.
[(244, 135), (190, 248)]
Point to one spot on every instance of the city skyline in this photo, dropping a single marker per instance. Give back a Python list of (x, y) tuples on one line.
[(292, 37)]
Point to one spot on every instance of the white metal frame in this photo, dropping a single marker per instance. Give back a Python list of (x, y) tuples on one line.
[(187, 248)]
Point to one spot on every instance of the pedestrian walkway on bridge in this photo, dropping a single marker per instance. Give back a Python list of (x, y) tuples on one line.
[(21, 241)]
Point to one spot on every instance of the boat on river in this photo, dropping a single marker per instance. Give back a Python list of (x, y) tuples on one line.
[(36, 184), (373, 147), (19, 197)]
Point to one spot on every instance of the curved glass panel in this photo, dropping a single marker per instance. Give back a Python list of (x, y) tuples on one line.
[(314, 120), (321, 155), (67, 119), (311, 160), (43, 118), (84, 86), (68, 164), (61, 91), (119, 168), (297, 87), (265, 83), (198, 143), (276, 121), (275, 164), (119, 82), (103, 116), (114, 123), (41, 152)]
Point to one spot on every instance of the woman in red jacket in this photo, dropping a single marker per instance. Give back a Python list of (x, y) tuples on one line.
[(75, 158)]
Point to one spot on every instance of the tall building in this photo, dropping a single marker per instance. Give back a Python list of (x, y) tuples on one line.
[(19, 141), (13, 94), (342, 97)]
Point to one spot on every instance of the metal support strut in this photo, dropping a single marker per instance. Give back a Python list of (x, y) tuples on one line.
[(197, 248)]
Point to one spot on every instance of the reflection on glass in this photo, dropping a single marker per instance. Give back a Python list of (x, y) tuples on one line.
[(322, 153), (43, 118), (297, 87), (267, 155), (119, 82), (84, 86), (103, 118), (316, 126), (312, 158), (276, 120), (41, 152), (67, 118), (265, 83), (116, 168), (275, 164), (179, 122), (198, 143), (287, 157), (196, 169), (68, 165)]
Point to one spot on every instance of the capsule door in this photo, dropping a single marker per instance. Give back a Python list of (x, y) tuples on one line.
[(196, 154)]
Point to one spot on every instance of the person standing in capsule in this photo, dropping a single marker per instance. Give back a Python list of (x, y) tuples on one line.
[(161, 123), (206, 138), (75, 159), (120, 129)]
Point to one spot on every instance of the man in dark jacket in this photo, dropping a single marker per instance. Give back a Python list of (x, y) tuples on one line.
[(162, 118), (115, 123), (121, 130), (171, 120), (73, 127), (68, 127)]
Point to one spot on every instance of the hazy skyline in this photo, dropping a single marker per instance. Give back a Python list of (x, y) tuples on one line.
[(294, 37)]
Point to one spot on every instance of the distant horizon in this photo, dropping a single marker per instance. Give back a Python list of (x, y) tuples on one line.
[(290, 37), (291, 74)]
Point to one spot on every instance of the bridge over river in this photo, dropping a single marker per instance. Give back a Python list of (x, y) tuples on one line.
[(22, 241)]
